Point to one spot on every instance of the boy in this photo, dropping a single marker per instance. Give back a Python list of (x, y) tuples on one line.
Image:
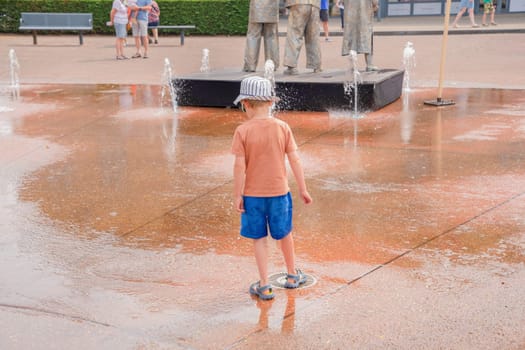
[(261, 192), (488, 7)]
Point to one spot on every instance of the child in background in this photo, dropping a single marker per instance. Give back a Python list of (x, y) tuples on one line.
[(261, 192), (488, 7)]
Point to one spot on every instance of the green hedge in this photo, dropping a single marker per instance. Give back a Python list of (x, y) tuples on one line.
[(212, 17)]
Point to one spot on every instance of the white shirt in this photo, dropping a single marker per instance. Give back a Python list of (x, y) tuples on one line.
[(121, 16)]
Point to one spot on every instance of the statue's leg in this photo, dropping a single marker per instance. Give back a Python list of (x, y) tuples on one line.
[(271, 43), (369, 51), (295, 35), (369, 58), (313, 49), (253, 43)]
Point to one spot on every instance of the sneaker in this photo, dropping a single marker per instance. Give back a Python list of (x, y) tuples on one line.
[(291, 71)]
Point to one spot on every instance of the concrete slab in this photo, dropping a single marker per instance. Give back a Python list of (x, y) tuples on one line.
[(306, 91)]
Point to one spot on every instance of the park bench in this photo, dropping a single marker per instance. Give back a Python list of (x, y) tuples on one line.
[(182, 29), (34, 21)]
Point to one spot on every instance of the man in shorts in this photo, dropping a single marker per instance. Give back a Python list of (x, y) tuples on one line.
[(465, 5), (261, 192), (323, 15), (139, 26)]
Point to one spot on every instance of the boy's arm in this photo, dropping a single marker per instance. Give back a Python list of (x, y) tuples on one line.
[(297, 169), (239, 169)]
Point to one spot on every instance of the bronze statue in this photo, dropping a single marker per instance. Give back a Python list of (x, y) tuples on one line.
[(358, 31), (303, 23), (263, 21)]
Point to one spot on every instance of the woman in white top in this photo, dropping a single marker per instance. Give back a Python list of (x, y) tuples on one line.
[(119, 19), (341, 5)]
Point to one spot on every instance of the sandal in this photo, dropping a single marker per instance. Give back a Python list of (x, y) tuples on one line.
[(257, 290), (299, 279), (137, 55)]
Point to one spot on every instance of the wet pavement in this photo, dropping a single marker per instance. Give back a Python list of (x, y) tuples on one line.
[(118, 230)]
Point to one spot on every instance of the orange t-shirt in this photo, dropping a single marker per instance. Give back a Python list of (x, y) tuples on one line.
[(264, 143)]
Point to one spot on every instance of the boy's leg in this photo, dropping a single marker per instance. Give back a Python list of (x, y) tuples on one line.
[(288, 249), (261, 257)]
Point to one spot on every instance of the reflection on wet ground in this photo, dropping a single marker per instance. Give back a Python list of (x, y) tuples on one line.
[(117, 226)]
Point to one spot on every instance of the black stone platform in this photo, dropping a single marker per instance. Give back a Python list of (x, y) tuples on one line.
[(303, 92)]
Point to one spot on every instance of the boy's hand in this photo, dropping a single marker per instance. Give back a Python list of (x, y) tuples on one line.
[(239, 204), (307, 199)]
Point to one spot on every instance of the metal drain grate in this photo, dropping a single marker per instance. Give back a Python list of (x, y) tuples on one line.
[(278, 280)]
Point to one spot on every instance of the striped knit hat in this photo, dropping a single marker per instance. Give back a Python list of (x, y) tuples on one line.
[(256, 88)]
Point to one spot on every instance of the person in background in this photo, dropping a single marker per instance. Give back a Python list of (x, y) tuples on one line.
[(465, 5), (119, 19), (341, 6), (153, 22), (140, 27), (132, 23), (488, 7), (262, 196), (323, 16)]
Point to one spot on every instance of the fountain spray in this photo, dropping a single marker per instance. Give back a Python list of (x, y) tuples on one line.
[(409, 62), (167, 85), (205, 61), (350, 87), (14, 70)]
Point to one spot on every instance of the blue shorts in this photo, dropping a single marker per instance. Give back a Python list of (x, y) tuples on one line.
[(263, 213), (466, 4), (120, 30)]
